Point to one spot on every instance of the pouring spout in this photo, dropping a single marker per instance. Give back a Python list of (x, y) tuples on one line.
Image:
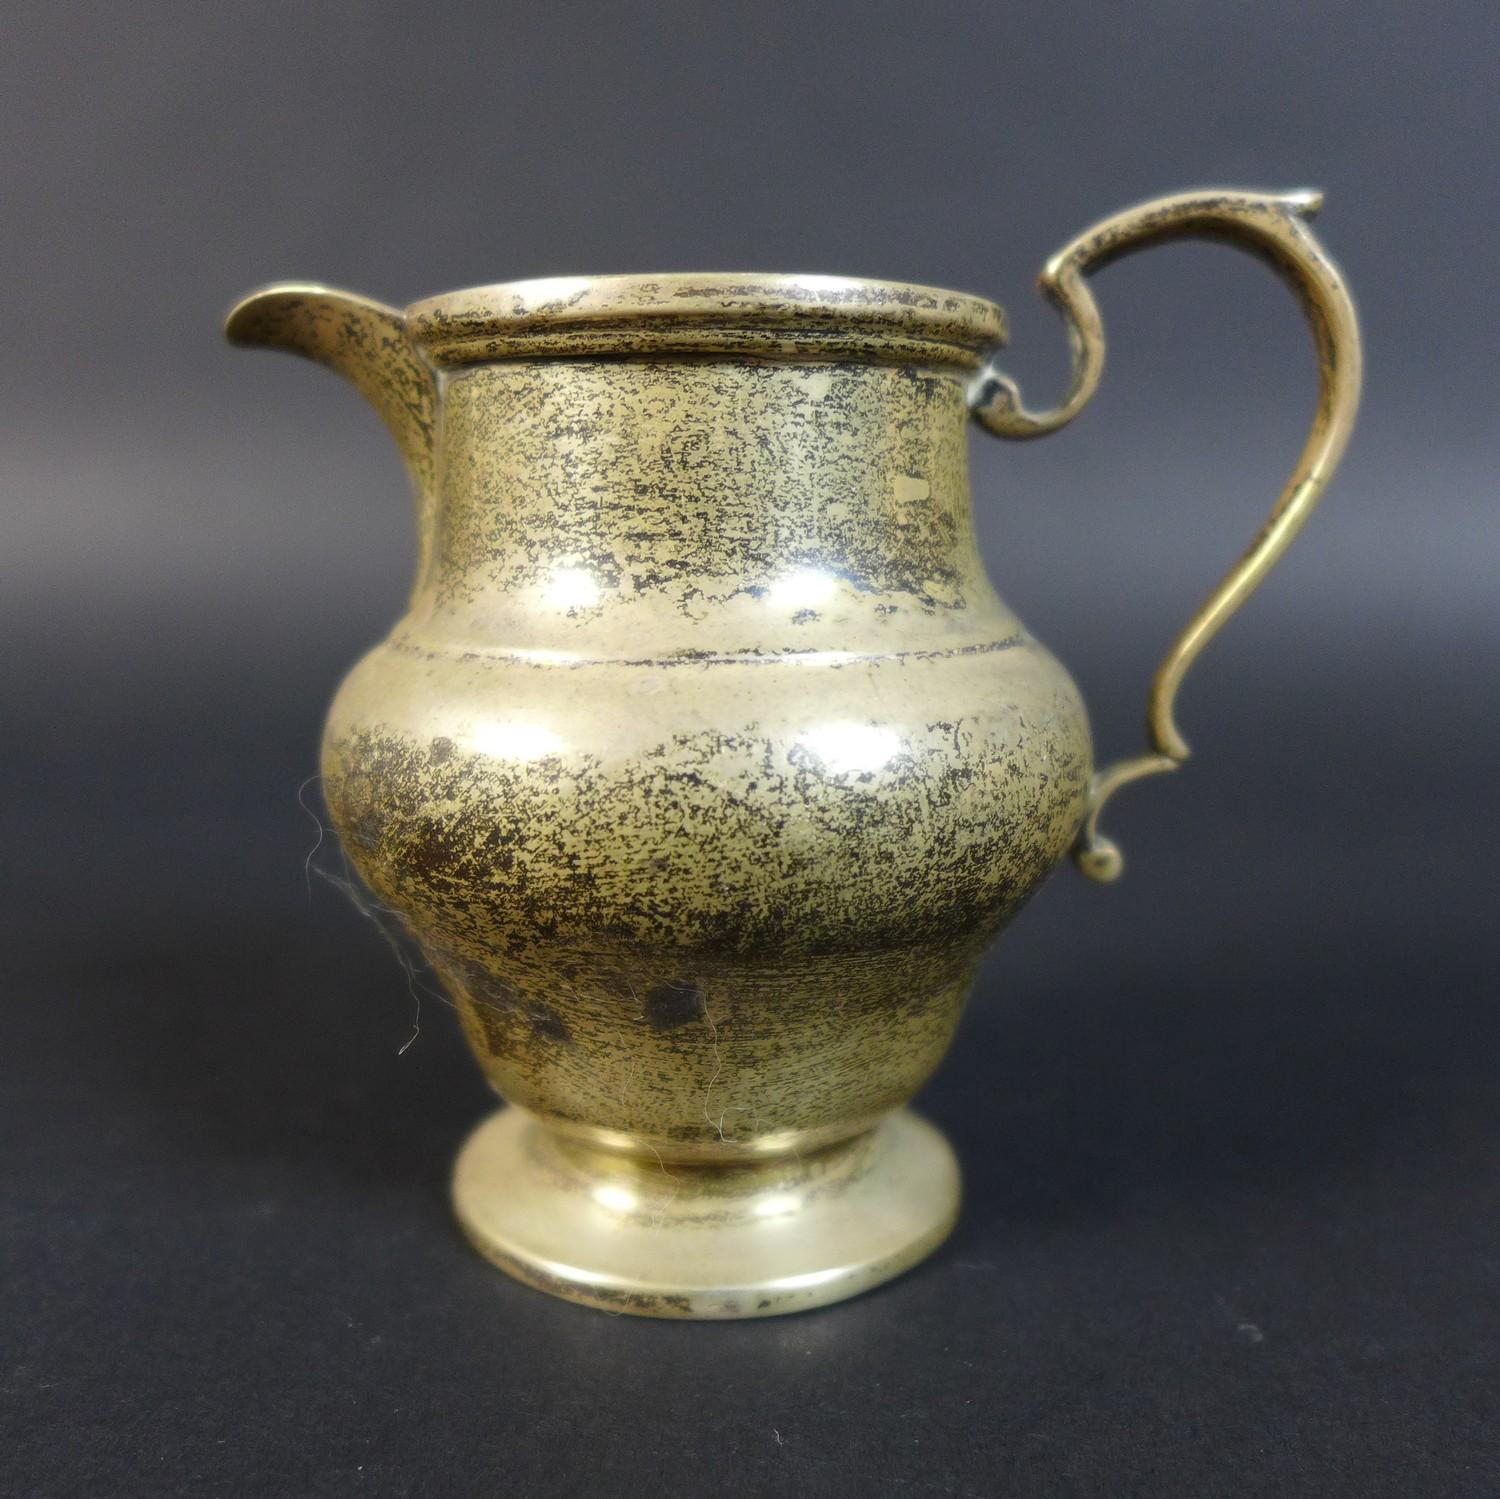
[(367, 343)]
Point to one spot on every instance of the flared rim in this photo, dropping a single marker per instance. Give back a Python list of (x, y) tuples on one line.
[(750, 313)]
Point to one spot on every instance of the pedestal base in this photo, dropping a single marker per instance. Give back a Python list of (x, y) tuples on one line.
[(699, 1241)]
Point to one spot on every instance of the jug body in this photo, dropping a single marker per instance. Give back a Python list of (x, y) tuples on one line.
[(706, 761)]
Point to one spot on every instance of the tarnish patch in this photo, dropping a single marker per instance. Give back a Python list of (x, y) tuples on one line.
[(548, 1024), (674, 1003)]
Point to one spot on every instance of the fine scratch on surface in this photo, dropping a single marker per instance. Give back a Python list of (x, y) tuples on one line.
[(322, 832), (676, 1188), (708, 1093), (627, 1082), (373, 914), (385, 921)]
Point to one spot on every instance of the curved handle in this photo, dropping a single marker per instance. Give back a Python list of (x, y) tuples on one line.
[(1271, 226)]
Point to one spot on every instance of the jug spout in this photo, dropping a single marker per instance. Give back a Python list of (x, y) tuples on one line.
[(366, 342)]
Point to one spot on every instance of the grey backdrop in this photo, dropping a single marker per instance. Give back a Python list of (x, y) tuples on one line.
[(1229, 1126)]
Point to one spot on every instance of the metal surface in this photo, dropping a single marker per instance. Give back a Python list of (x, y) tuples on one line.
[(1268, 225), (627, 1235), (706, 761)]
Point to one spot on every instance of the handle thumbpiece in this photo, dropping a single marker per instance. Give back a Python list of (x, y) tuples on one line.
[(1273, 227)]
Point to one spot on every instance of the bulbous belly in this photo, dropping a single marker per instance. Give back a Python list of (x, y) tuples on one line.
[(707, 908)]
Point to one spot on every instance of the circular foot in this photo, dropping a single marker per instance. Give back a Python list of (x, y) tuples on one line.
[(704, 1241)]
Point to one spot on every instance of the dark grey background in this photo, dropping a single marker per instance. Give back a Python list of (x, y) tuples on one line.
[(1230, 1127)]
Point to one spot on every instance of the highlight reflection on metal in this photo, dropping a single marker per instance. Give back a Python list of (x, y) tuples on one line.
[(853, 748), (514, 741), (806, 588), (707, 762), (616, 1198), (571, 588)]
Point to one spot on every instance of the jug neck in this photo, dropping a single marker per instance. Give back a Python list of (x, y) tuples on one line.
[(682, 465), (682, 507)]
